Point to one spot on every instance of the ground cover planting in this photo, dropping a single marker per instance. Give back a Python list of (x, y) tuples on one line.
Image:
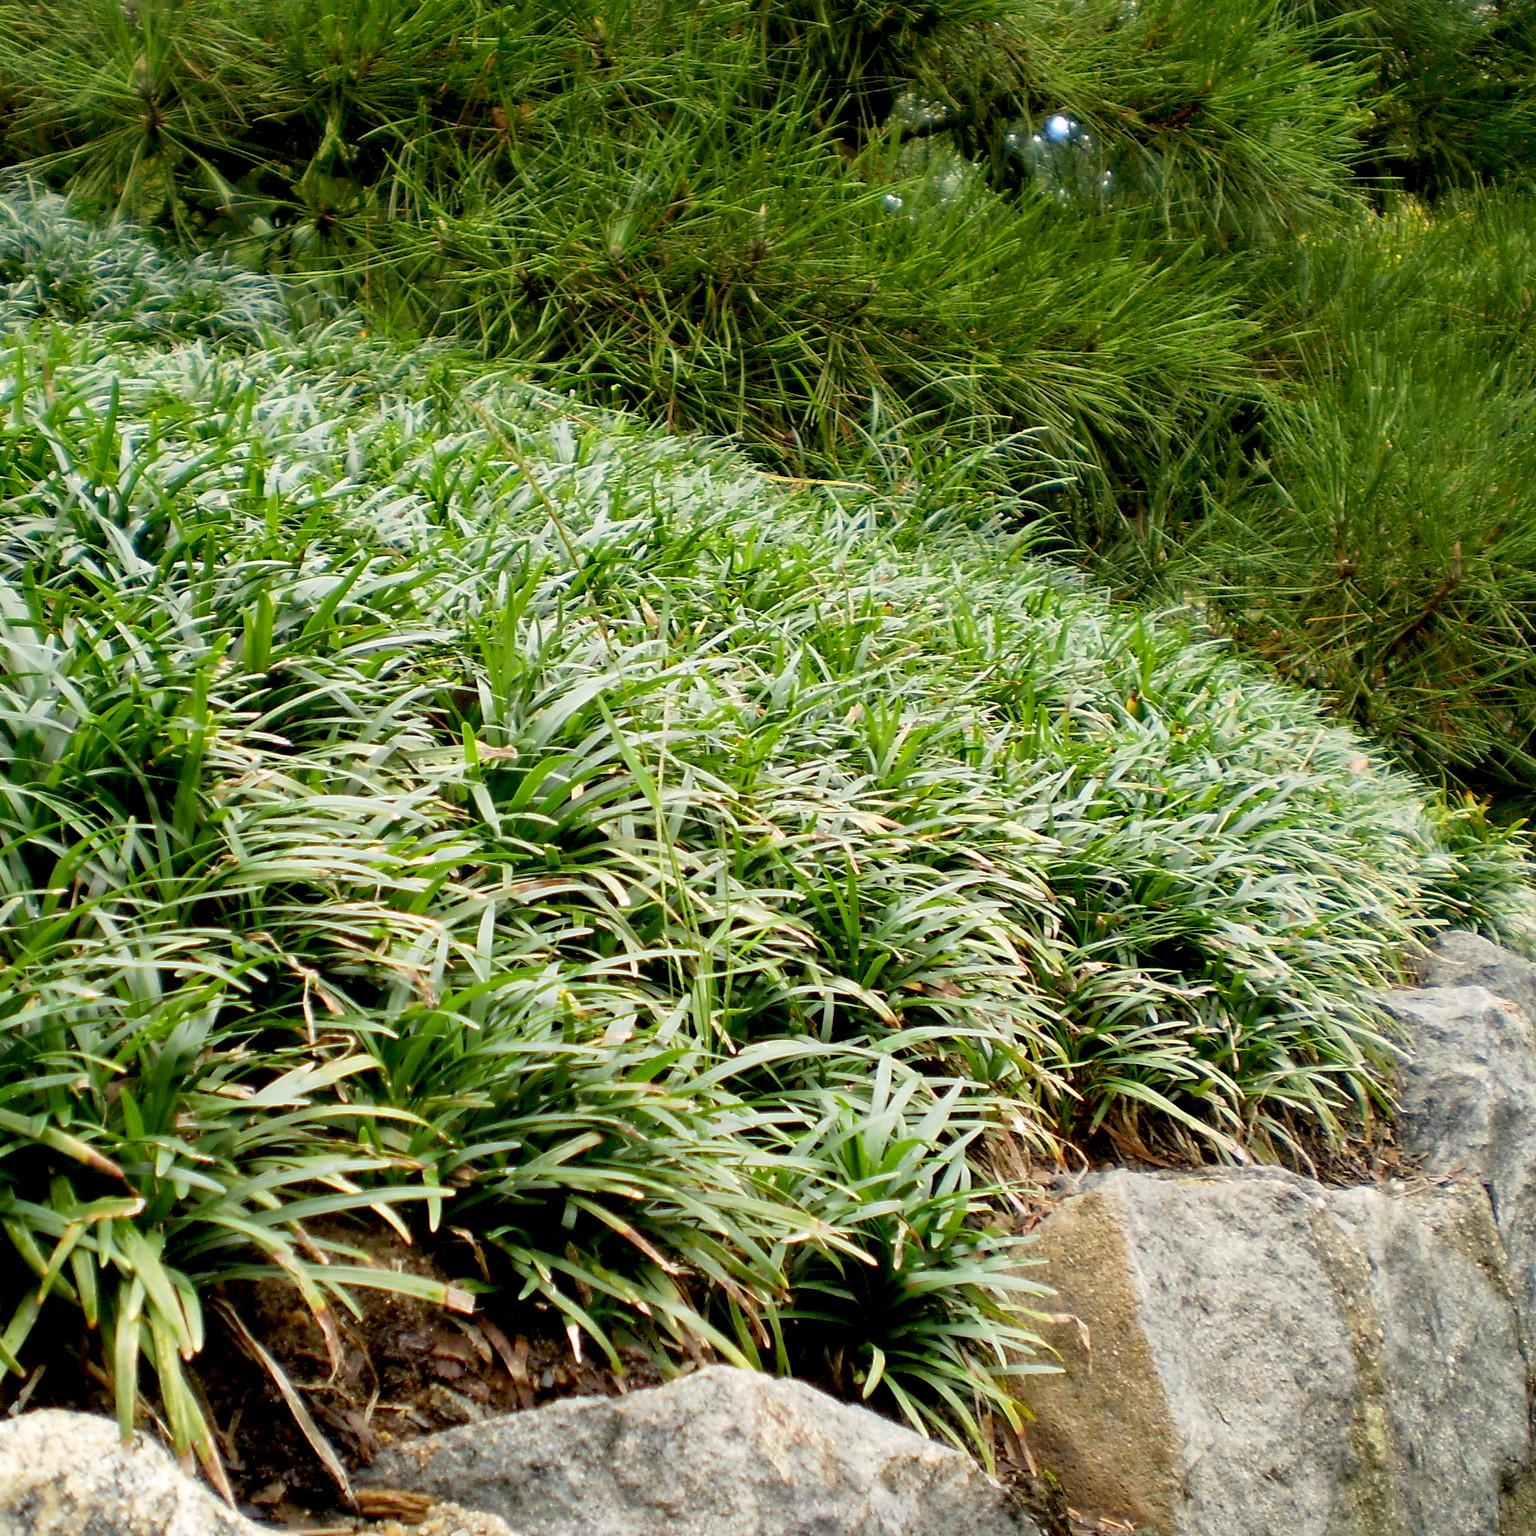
[(677, 901)]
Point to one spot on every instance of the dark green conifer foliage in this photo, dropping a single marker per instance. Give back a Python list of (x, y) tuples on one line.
[(1452, 99)]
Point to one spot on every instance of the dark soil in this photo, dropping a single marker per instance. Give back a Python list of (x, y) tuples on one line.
[(400, 1369)]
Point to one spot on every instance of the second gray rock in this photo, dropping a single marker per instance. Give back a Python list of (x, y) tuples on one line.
[(1467, 1087), (718, 1453)]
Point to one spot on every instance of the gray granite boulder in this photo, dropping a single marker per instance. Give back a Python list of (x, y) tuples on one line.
[(721, 1452), (1467, 1087), (1461, 959), (1253, 1354), (70, 1474)]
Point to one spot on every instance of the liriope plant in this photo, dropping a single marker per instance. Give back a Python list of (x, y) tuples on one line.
[(427, 801)]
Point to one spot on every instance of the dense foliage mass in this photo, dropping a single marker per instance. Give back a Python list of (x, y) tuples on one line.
[(1226, 272), (427, 801)]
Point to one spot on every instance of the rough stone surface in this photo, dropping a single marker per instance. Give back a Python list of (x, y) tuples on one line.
[(69, 1474), (446, 1520), (1467, 1088), (1461, 959), (1445, 1367), (1270, 1357), (718, 1453), (1518, 1516)]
